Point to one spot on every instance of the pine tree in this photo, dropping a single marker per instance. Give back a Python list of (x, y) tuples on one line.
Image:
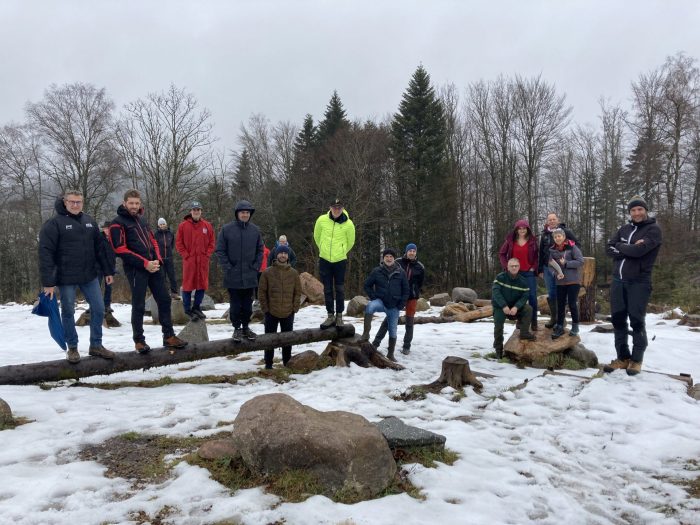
[(334, 119), (241, 183)]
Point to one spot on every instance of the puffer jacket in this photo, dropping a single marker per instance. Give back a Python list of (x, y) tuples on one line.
[(132, 239), (388, 284), (166, 241), (572, 266), (279, 291), (273, 255), (634, 262), (506, 251), (71, 250), (509, 291), (239, 249), (334, 237)]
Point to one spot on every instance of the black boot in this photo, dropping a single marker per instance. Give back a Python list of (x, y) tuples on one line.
[(552, 313), (558, 331), (367, 327), (269, 356), (525, 324), (408, 336), (392, 346), (533, 323), (380, 334), (286, 354), (499, 351)]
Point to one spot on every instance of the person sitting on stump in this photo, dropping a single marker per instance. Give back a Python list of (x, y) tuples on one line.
[(387, 289), (279, 294), (509, 296)]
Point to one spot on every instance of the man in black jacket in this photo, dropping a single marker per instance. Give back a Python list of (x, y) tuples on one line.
[(415, 273), (239, 249), (166, 241), (70, 252), (634, 249), (134, 242), (387, 289)]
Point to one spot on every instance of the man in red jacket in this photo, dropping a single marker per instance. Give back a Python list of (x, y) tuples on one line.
[(195, 243)]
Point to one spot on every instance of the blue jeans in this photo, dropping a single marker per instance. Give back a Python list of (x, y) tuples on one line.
[(93, 295), (531, 278), (187, 299), (551, 283), (392, 315)]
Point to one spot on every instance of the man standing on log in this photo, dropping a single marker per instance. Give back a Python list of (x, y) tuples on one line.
[(509, 296), (70, 250), (239, 249), (334, 234), (634, 249), (415, 273), (387, 289), (134, 242), (195, 243), (166, 241), (279, 294)]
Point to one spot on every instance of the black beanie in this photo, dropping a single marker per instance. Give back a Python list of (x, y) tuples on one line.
[(389, 251), (637, 201)]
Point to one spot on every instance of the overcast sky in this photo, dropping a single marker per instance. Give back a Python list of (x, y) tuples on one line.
[(284, 58)]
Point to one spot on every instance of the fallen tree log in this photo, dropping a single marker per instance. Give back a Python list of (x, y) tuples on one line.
[(31, 373), (362, 353), (463, 317)]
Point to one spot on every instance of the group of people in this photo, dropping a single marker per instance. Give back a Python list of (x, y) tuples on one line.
[(73, 254)]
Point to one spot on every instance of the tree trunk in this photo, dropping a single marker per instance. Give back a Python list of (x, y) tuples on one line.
[(586, 302), (456, 373), (90, 366)]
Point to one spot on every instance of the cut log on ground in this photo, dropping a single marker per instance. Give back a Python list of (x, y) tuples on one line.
[(463, 317), (90, 366), (455, 373), (362, 353)]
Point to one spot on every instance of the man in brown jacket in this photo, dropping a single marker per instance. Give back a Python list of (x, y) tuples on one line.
[(279, 294)]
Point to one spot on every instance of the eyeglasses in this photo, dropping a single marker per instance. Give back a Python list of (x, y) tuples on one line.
[(74, 203)]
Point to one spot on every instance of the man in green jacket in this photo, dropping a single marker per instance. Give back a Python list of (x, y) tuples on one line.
[(509, 296), (279, 293), (334, 234)]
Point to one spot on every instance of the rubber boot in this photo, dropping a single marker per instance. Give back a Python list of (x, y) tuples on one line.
[(392, 346), (367, 327), (574, 329), (525, 326), (269, 356), (499, 351), (552, 313), (408, 336), (286, 355), (383, 329), (533, 322)]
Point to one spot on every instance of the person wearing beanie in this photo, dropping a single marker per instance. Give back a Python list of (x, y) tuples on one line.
[(334, 235), (166, 241), (387, 289), (415, 274), (195, 244), (634, 249), (546, 242), (521, 243), (279, 293), (239, 249), (273, 253)]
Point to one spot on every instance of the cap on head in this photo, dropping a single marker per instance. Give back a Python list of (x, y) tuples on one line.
[(162, 221), (337, 203), (196, 205), (410, 246), (637, 201), (389, 251)]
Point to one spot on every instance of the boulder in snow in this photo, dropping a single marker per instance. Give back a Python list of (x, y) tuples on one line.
[(463, 295)]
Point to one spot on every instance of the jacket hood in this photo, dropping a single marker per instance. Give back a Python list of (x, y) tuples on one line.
[(343, 217), (522, 223), (60, 207), (243, 205), (125, 213)]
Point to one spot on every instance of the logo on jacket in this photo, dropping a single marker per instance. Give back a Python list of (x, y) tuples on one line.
[(69, 226), (204, 230), (88, 225)]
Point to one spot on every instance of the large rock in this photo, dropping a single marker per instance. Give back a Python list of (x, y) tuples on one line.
[(538, 349), (464, 295), (542, 304), (5, 414), (583, 355), (603, 329), (304, 361), (207, 303), (177, 311), (440, 299), (356, 306), (312, 288), (194, 332), (275, 433), (422, 305), (400, 435)]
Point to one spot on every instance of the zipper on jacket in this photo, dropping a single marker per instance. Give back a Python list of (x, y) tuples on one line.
[(629, 241)]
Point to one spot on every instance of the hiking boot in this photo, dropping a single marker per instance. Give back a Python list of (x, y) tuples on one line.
[(237, 335), (552, 313), (175, 296), (142, 347), (174, 342), (558, 331), (249, 334), (196, 310), (527, 336), (339, 320), (574, 329), (618, 364), (634, 368), (101, 351), (330, 321), (72, 355)]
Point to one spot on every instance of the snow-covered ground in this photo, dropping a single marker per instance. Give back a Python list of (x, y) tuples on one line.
[(559, 451)]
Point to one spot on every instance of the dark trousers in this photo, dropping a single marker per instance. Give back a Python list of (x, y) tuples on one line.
[(286, 324), (567, 293), (187, 299), (333, 276), (169, 267), (524, 315), (629, 299), (107, 294), (139, 281), (241, 304)]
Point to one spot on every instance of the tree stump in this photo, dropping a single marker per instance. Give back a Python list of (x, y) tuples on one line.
[(109, 320), (456, 373), (586, 301), (362, 353)]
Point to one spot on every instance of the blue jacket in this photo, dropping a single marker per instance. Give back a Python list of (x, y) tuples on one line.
[(391, 286)]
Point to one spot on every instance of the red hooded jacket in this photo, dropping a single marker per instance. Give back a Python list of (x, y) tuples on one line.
[(195, 243), (506, 251)]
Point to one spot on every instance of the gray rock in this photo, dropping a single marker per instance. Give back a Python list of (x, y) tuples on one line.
[(464, 295), (694, 392), (343, 451), (207, 303), (177, 311), (400, 435), (440, 299), (304, 361), (583, 355), (356, 306), (422, 305), (5, 414), (194, 332), (603, 329)]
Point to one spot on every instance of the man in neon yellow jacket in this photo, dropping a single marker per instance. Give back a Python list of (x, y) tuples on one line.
[(334, 234)]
